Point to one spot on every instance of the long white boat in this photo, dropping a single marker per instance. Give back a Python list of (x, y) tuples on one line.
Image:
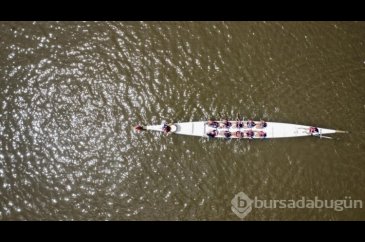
[(271, 130)]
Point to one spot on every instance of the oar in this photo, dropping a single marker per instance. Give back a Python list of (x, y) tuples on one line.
[(220, 116), (321, 136), (342, 132), (241, 119)]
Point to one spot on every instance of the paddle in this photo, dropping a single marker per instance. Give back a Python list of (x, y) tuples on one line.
[(220, 116), (321, 136), (342, 132), (238, 117)]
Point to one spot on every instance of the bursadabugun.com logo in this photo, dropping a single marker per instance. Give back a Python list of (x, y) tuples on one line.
[(242, 205)]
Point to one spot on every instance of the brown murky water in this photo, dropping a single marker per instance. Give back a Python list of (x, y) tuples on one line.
[(70, 92)]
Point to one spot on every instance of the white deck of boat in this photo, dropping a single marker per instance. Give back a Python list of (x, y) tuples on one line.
[(272, 130)]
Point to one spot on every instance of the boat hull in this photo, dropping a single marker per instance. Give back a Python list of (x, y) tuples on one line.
[(272, 130)]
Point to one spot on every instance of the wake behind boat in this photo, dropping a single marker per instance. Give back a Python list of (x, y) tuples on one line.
[(240, 129)]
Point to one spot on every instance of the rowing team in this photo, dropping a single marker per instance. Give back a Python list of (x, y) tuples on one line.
[(238, 124), (238, 134)]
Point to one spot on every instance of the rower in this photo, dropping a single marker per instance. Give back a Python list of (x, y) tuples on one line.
[(213, 124), (263, 124), (226, 123), (212, 133), (250, 123), (239, 134), (313, 130), (166, 129), (262, 134), (227, 134), (239, 124), (250, 134)]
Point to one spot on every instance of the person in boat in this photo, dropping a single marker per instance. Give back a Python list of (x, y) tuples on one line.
[(138, 128), (213, 124), (262, 134), (212, 133), (239, 123), (263, 124), (250, 123), (227, 134), (239, 134), (313, 130), (250, 134), (166, 129), (226, 123)]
